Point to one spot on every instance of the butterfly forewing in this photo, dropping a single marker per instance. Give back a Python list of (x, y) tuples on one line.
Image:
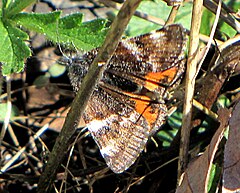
[(151, 53)]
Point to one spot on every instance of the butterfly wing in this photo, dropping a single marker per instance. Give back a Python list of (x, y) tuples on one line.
[(157, 57), (123, 111), (118, 129)]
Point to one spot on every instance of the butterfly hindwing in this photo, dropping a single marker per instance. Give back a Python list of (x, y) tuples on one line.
[(119, 130)]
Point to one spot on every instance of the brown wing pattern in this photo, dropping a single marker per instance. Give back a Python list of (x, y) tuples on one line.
[(119, 130), (152, 53), (122, 113)]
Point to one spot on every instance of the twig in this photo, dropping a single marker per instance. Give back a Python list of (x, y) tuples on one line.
[(89, 82), (139, 14), (214, 27), (229, 19), (13, 136), (205, 110), (172, 15), (15, 157), (153, 171), (66, 170), (190, 82)]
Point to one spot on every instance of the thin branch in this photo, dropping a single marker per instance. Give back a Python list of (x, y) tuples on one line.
[(139, 14), (190, 82), (214, 27), (228, 18), (172, 15), (16, 156), (89, 82)]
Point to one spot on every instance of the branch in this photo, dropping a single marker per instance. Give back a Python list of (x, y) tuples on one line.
[(190, 83), (80, 102)]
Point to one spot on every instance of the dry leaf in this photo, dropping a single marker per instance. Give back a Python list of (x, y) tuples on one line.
[(195, 178), (231, 173)]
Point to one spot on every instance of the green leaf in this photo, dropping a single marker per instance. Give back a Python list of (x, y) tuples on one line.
[(175, 122), (5, 3), (208, 19), (84, 36), (14, 7), (212, 175), (38, 22), (42, 80), (13, 48), (227, 30), (161, 10), (166, 136), (203, 127), (214, 178), (68, 30), (184, 15), (223, 102), (139, 26), (71, 21), (207, 22), (3, 111), (224, 27)]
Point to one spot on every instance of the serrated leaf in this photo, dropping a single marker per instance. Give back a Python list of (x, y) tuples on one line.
[(71, 21), (16, 6), (38, 22), (84, 36), (71, 31), (67, 30), (13, 48)]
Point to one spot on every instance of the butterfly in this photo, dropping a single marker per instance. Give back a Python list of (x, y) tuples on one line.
[(129, 103)]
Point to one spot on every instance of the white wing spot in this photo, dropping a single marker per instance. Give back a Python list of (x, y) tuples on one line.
[(96, 125)]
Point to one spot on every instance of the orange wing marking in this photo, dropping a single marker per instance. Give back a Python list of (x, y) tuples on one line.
[(143, 108), (153, 78)]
